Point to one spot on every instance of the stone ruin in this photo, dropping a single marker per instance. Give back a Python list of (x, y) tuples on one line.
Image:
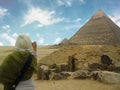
[(97, 71), (106, 64), (44, 71), (106, 60), (72, 63)]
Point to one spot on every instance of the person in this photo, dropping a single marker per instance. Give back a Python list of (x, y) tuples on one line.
[(13, 63)]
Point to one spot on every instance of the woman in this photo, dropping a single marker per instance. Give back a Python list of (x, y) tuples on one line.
[(13, 63)]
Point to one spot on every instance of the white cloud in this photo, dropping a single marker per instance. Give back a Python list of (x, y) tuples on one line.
[(6, 27), (3, 12), (69, 2), (65, 2), (8, 38), (78, 20), (115, 18), (57, 40), (82, 2), (60, 2), (1, 44), (41, 40), (76, 23), (39, 25), (69, 27), (38, 35), (44, 17), (14, 35)]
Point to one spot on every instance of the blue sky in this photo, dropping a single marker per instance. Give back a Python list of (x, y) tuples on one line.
[(49, 21)]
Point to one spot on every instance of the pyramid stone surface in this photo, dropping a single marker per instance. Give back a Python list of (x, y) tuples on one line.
[(99, 30)]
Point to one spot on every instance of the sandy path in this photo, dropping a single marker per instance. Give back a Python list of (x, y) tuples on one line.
[(74, 85)]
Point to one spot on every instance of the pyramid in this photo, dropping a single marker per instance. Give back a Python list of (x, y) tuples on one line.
[(99, 30), (65, 42)]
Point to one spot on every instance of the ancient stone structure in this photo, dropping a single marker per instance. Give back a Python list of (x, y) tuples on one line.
[(65, 42), (55, 76), (99, 30), (80, 74), (105, 59), (71, 63), (43, 72), (63, 67)]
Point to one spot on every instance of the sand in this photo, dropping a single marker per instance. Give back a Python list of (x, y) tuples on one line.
[(74, 85)]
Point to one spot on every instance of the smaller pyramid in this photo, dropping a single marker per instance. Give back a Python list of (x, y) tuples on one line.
[(65, 42)]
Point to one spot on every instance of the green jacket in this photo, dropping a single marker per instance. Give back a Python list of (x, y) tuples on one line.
[(13, 63)]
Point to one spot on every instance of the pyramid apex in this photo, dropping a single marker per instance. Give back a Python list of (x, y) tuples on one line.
[(99, 14), (100, 10)]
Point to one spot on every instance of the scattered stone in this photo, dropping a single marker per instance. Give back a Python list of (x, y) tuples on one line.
[(103, 67), (114, 68), (55, 76), (98, 66), (103, 74), (54, 70), (107, 77), (64, 67), (53, 66), (94, 65), (80, 74), (39, 74), (65, 74), (43, 72)]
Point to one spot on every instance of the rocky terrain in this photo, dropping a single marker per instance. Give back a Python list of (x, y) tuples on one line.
[(84, 54)]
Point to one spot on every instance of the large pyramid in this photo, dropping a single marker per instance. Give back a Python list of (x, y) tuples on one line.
[(99, 30)]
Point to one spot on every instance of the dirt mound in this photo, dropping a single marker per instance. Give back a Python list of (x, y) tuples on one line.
[(84, 53)]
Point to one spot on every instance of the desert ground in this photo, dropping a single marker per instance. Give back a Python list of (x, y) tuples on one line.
[(61, 84), (73, 85)]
